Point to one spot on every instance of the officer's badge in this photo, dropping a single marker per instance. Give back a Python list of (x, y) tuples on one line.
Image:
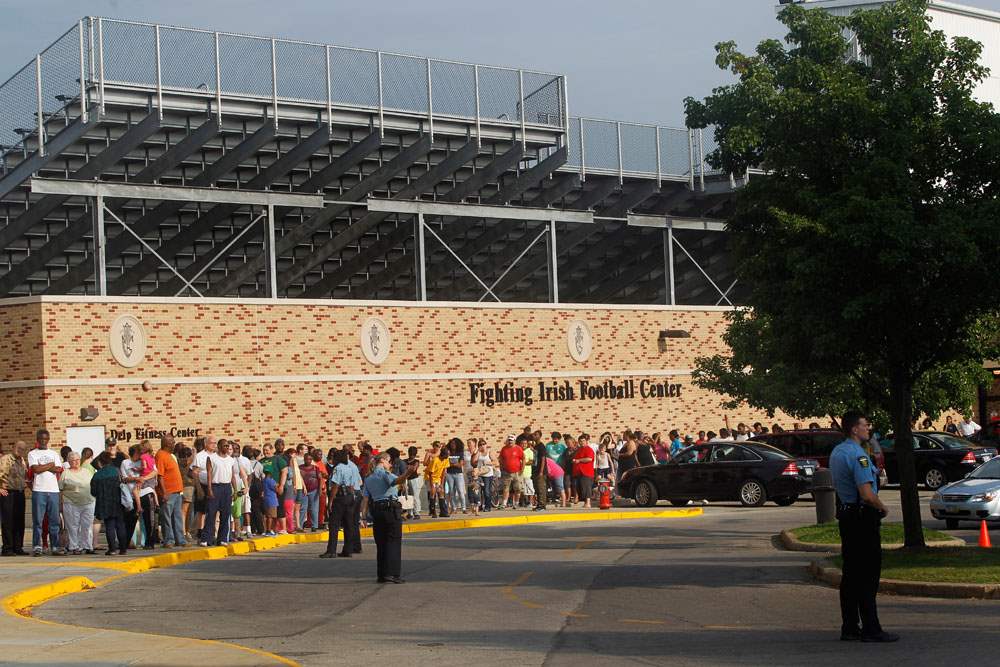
[(863, 460)]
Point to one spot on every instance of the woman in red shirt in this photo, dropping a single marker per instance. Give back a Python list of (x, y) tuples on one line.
[(583, 471)]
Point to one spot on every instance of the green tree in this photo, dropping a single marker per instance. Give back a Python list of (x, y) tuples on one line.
[(869, 244)]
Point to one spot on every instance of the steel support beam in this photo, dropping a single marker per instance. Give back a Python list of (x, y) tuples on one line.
[(272, 257), (83, 224), (244, 196), (479, 211), (424, 183), (172, 157), (668, 259), (104, 160), (339, 166), (68, 136), (299, 153), (420, 256), (505, 193), (214, 172), (100, 266), (303, 232), (553, 263), (587, 199)]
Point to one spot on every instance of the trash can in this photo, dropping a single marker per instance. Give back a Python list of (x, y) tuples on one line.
[(825, 496)]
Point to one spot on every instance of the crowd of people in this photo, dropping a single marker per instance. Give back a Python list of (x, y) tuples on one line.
[(217, 491)]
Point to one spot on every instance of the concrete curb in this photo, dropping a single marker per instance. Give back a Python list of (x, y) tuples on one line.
[(792, 543), (19, 604), (926, 589)]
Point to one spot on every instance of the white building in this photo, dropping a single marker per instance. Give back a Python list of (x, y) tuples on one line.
[(954, 20)]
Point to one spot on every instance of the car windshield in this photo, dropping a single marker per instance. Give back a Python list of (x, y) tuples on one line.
[(770, 453), (951, 442), (989, 470)]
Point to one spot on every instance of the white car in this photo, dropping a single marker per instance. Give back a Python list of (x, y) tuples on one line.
[(974, 498)]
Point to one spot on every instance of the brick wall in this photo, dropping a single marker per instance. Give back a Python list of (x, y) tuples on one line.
[(189, 341)]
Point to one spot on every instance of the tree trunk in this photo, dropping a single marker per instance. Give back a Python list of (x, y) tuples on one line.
[(901, 402)]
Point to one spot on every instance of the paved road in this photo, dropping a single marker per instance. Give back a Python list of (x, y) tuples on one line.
[(704, 591)]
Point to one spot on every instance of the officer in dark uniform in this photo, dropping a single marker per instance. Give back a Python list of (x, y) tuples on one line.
[(859, 512), (381, 493), (353, 542), (341, 501)]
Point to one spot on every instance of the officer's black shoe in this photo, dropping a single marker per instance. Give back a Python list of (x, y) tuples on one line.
[(391, 580), (356, 551), (881, 638), (850, 636), (327, 555), (341, 555)]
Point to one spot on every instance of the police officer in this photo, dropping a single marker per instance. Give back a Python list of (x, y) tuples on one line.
[(352, 543), (860, 512), (381, 492), (341, 501)]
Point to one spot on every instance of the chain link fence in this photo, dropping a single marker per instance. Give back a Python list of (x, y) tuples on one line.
[(158, 58), (622, 149), (50, 85)]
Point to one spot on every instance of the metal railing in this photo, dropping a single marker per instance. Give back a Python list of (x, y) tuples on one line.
[(619, 148), (99, 52), (69, 78)]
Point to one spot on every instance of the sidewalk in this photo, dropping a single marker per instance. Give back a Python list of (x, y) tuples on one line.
[(26, 582)]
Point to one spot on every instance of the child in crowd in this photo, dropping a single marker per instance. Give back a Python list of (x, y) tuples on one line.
[(270, 504), (474, 490)]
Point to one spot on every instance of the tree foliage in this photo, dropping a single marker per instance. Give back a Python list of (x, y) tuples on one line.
[(869, 246)]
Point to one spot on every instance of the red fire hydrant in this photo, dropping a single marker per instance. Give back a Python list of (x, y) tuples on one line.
[(605, 488)]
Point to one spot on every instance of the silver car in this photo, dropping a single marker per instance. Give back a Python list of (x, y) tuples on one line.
[(974, 498)]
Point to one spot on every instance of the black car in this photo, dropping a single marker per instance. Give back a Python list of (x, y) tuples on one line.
[(816, 444), (939, 457), (750, 472)]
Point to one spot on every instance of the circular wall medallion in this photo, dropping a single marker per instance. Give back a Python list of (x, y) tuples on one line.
[(128, 341), (579, 340), (375, 340)]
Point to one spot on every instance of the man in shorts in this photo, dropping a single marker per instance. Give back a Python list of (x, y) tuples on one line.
[(512, 470)]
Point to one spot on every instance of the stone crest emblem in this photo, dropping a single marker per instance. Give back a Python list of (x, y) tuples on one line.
[(127, 340), (579, 341), (375, 340)]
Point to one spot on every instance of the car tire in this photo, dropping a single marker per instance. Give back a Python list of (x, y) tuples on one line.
[(785, 501), (645, 494), (679, 502), (951, 524), (753, 493), (935, 478)]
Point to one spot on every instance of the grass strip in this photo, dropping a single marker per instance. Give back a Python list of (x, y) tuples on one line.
[(892, 533), (947, 565)]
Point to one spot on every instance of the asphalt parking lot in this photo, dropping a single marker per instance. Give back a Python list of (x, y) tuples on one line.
[(710, 590)]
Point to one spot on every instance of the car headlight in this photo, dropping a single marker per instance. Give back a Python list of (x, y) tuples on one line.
[(936, 496), (983, 497)]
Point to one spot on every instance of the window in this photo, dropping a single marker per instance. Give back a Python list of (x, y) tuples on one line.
[(692, 455), (823, 444)]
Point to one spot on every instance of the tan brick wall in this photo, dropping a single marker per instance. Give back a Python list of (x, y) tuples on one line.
[(213, 339), (21, 342)]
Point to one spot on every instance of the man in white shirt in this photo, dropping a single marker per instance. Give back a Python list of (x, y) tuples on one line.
[(199, 466), (222, 471), (968, 428), (45, 466)]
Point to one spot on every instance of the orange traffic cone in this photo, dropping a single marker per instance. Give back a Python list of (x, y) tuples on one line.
[(984, 536)]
